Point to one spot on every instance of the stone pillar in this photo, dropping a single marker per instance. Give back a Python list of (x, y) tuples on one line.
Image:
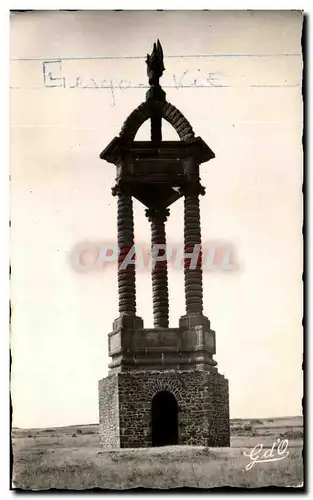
[(125, 239), (156, 129), (154, 97), (199, 333), (192, 237), (159, 268)]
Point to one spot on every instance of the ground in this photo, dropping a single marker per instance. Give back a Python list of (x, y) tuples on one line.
[(71, 458)]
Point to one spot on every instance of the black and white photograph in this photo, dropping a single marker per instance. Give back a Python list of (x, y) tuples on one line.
[(156, 249)]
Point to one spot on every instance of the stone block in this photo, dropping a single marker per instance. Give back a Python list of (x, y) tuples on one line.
[(127, 322), (189, 321)]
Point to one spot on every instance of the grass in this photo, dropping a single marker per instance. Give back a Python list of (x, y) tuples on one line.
[(71, 458)]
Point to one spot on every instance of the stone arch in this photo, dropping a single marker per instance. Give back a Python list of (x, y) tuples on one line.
[(167, 111), (163, 385)]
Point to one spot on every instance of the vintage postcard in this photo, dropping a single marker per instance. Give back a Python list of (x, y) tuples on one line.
[(156, 167)]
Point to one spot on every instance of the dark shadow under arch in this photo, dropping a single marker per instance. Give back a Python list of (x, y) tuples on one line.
[(164, 419)]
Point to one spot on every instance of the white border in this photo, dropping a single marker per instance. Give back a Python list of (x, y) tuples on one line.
[(166, 5), (4, 170), (4, 258)]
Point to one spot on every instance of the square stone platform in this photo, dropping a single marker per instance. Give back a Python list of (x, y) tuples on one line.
[(147, 408)]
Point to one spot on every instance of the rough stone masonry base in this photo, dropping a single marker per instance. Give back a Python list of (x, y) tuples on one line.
[(125, 401)]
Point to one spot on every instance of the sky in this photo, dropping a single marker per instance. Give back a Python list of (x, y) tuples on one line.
[(236, 76)]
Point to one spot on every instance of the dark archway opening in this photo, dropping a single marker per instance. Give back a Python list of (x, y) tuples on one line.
[(164, 419)]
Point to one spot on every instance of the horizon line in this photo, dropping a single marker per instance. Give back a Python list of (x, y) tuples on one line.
[(97, 423)]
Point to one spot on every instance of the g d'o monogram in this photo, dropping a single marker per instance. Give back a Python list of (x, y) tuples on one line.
[(257, 455)]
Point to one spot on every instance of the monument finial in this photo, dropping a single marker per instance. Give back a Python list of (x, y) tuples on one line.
[(155, 66)]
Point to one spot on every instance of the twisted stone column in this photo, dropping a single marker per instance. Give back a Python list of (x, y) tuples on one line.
[(192, 237), (159, 268), (125, 239)]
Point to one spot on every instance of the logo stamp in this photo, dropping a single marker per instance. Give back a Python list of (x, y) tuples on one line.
[(277, 452)]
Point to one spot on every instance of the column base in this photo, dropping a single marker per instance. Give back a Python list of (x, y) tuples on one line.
[(120, 338), (198, 331)]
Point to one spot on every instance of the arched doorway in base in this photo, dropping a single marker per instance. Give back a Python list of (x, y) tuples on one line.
[(164, 419)]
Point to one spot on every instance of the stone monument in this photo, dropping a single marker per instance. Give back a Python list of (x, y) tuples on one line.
[(163, 386)]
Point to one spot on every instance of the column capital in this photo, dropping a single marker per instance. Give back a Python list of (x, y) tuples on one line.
[(121, 188), (160, 214), (193, 189)]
